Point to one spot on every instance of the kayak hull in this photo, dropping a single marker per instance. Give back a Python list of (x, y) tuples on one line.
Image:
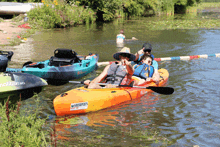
[(82, 100), (5, 56), (60, 73), (15, 83)]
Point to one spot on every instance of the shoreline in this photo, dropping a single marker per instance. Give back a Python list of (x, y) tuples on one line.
[(11, 32)]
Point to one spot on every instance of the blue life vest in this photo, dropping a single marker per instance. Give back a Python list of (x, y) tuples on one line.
[(143, 71)]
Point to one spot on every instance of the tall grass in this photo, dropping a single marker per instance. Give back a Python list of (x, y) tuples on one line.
[(21, 128)]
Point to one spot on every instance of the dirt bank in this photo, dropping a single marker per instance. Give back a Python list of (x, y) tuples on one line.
[(8, 31)]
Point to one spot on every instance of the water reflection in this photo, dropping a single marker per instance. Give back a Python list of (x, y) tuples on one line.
[(120, 115)]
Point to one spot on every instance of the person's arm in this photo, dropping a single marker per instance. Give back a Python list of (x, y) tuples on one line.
[(156, 76), (141, 51), (98, 79), (129, 68)]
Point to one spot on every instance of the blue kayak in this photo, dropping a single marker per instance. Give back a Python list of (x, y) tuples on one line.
[(65, 65)]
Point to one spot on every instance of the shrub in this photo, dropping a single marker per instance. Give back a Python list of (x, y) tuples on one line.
[(59, 14)]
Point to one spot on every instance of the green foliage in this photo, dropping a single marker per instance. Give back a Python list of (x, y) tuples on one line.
[(59, 14), (44, 16), (107, 10), (20, 1), (133, 8), (210, 0), (20, 127)]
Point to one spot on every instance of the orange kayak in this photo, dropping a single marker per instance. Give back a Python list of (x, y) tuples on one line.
[(83, 100)]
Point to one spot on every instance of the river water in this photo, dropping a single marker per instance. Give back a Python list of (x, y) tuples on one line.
[(190, 116)]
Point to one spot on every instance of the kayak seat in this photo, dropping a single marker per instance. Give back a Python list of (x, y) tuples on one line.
[(64, 57)]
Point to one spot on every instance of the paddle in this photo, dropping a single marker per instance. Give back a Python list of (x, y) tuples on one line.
[(160, 90), (171, 58)]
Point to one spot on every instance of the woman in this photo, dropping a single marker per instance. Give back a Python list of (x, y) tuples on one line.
[(118, 73)]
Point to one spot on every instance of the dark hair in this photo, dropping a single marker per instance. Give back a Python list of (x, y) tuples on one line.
[(144, 57), (122, 31)]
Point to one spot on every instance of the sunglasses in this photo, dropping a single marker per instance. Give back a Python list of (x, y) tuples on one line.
[(125, 55), (147, 50), (149, 61)]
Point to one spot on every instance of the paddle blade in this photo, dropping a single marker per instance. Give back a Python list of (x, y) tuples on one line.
[(161, 90)]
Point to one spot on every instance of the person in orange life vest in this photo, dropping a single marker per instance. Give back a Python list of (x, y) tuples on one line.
[(144, 70), (146, 50), (119, 73), (120, 38)]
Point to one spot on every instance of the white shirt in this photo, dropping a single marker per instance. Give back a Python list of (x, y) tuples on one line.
[(120, 38)]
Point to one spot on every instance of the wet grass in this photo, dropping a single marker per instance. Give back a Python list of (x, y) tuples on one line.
[(184, 24), (209, 5), (21, 127)]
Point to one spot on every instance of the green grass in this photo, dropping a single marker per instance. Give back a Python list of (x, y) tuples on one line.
[(21, 127), (184, 24), (210, 5)]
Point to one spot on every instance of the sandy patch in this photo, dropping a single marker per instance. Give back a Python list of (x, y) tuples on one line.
[(8, 31)]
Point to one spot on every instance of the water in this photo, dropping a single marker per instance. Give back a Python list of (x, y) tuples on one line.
[(190, 116)]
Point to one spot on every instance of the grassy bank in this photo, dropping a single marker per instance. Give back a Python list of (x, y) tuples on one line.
[(21, 127), (18, 35)]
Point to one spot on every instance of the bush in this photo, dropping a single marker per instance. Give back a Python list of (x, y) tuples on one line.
[(59, 14)]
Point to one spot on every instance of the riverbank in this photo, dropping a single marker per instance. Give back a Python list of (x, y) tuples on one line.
[(10, 31)]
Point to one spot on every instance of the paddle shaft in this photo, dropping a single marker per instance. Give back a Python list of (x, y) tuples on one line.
[(161, 90)]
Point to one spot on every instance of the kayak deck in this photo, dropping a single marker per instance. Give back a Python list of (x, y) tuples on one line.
[(67, 72), (83, 100)]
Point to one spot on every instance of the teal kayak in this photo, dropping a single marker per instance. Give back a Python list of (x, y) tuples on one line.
[(65, 65)]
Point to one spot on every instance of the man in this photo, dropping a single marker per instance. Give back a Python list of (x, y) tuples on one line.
[(146, 50), (119, 73)]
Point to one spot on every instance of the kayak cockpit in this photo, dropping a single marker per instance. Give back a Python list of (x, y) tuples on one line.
[(64, 57)]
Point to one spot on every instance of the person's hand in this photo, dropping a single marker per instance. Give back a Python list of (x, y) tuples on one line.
[(125, 62), (152, 80), (149, 80), (87, 82), (140, 51)]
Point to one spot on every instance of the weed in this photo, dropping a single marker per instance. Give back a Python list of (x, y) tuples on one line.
[(18, 128)]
